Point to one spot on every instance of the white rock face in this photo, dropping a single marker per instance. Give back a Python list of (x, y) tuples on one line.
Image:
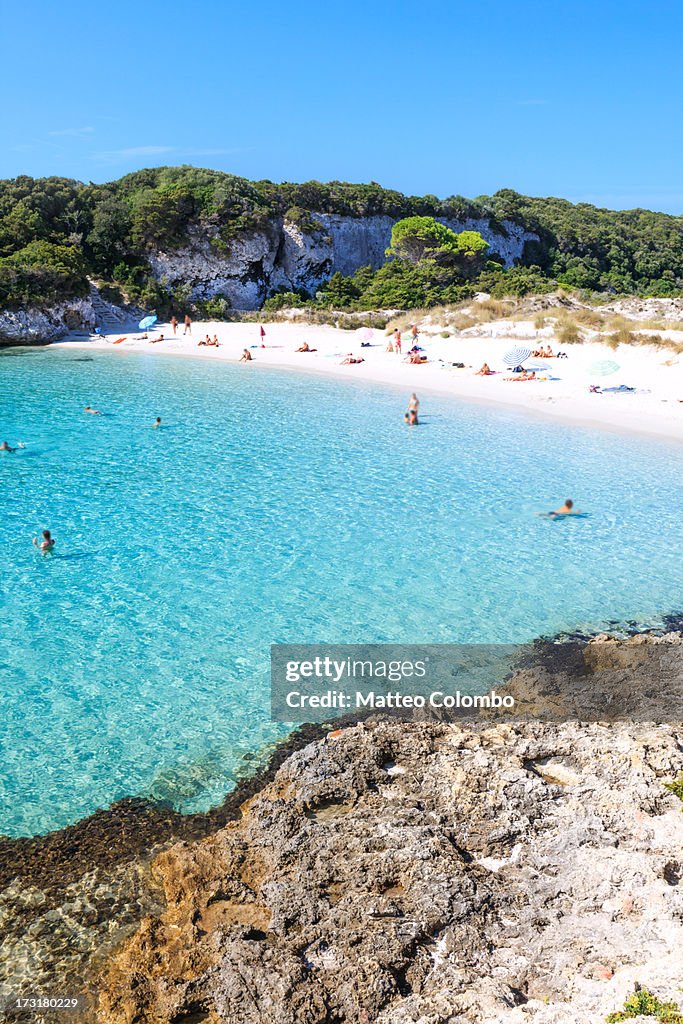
[(287, 257), (36, 327)]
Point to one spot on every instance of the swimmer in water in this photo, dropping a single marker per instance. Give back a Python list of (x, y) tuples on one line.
[(157, 423), (46, 543), (411, 418), (93, 412), (566, 510), (4, 447)]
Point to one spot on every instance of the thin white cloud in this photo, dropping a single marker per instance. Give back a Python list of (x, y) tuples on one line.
[(73, 133), (212, 152), (133, 151)]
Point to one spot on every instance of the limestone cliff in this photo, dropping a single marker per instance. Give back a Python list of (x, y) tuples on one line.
[(285, 255)]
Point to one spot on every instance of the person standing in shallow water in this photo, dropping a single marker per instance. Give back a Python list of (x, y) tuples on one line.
[(46, 542), (187, 329), (414, 404)]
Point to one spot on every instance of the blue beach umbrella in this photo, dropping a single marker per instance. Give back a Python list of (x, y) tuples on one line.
[(603, 368), (149, 321), (516, 356)]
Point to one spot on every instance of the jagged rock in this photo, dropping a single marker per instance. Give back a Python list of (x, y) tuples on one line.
[(33, 326), (425, 873), (285, 256)]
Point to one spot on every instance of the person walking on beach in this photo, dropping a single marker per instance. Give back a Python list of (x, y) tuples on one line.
[(397, 340), (262, 335), (187, 329), (46, 542), (174, 324), (414, 334)]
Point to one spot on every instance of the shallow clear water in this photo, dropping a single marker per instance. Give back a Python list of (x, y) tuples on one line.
[(274, 507)]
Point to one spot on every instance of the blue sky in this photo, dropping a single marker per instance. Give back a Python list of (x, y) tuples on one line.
[(582, 100)]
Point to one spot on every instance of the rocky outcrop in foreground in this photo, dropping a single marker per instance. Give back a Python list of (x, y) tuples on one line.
[(425, 873)]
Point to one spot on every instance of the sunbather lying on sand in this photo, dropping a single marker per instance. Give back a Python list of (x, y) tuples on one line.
[(485, 371), (351, 359), (306, 348), (416, 358), (523, 376), (153, 341)]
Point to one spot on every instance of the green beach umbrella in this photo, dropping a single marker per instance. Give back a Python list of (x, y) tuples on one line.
[(603, 368)]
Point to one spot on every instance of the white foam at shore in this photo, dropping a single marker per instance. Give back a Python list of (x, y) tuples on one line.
[(656, 408)]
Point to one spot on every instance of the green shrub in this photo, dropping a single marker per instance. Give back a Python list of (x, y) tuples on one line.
[(216, 308), (676, 787), (304, 220), (644, 1004), (284, 300)]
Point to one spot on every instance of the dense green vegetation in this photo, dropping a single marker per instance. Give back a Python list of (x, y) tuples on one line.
[(55, 232)]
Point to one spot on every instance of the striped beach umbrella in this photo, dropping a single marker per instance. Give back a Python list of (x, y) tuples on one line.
[(517, 356)]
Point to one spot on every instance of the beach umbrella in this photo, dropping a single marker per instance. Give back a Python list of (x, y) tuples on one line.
[(516, 356), (365, 333), (603, 368), (147, 322)]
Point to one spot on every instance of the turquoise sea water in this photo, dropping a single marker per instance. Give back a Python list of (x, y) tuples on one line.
[(274, 507)]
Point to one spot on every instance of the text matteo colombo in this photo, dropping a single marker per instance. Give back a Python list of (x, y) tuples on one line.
[(344, 701)]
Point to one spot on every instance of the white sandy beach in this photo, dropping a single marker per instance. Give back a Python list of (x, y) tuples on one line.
[(656, 407)]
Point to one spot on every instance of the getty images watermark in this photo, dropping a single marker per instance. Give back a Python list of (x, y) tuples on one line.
[(317, 682), (574, 681)]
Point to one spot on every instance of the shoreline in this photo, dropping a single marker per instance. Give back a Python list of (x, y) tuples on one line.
[(654, 410)]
